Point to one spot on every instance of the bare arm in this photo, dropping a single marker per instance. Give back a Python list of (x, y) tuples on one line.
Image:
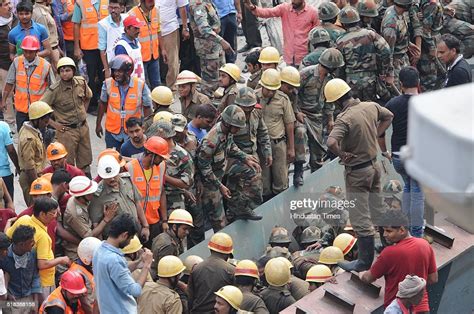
[(7, 199), (367, 277), (103, 58), (12, 49), (45, 264), (13, 156), (384, 123), (432, 278)]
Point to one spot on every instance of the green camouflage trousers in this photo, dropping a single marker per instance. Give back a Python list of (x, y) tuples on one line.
[(196, 234), (301, 142), (432, 73), (211, 203), (245, 185), (363, 85), (210, 75), (399, 62)]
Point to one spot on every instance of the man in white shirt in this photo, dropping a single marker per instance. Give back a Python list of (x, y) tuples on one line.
[(170, 36)]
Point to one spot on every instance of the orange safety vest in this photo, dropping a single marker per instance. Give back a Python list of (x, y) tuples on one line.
[(29, 89), (56, 299), (89, 278), (149, 190), (116, 116), (148, 37), (68, 26), (89, 32)]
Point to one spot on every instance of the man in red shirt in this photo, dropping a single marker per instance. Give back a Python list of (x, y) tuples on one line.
[(408, 256), (57, 153)]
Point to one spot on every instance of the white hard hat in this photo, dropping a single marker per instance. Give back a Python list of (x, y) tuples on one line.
[(108, 167), (82, 185), (86, 249)]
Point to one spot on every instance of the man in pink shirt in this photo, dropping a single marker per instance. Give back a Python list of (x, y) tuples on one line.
[(297, 19)]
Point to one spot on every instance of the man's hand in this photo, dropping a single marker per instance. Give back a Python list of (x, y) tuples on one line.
[(78, 53), (107, 73), (239, 18), (389, 80), (313, 246), (185, 34), (99, 131), (268, 161), (64, 260), (110, 210), (145, 233), (300, 117), (290, 155), (165, 227), (253, 163), (164, 55), (147, 257), (415, 53), (227, 47), (346, 156), (190, 196), (225, 191)]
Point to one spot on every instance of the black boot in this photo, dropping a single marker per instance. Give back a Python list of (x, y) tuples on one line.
[(366, 256), (383, 243), (298, 173)]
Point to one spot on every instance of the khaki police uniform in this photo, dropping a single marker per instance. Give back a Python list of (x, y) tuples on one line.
[(158, 298), (253, 303), (298, 287), (277, 298), (68, 100), (206, 278), (31, 156), (277, 112), (189, 110), (166, 243)]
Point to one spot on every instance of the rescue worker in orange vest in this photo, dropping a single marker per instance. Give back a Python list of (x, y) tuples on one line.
[(86, 16), (30, 75), (122, 97), (150, 33), (147, 174), (66, 298), (83, 265), (68, 27)]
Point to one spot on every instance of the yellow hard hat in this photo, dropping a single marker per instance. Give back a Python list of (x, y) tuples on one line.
[(134, 246), (232, 295), (231, 69), (162, 95), (318, 273), (180, 216), (287, 262), (335, 89), (190, 261), (163, 115), (186, 77), (345, 242), (38, 109), (269, 55), (277, 272), (221, 242), (270, 79), (331, 255), (247, 268), (65, 61), (291, 76), (170, 266)]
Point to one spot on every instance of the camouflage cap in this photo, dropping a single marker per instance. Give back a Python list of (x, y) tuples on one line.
[(349, 15), (279, 235), (179, 122), (234, 115), (310, 234), (328, 10), (403, 2), (367, 8), (246, 97), (331, 58), (277, 251), (318, 35), (162, 129), (392, 187)]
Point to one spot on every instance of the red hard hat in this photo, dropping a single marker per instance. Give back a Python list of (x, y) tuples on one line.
[(30, 42), (158, 146), (73, 282)]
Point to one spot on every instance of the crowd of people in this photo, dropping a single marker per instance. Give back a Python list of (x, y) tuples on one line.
[(111, 243)]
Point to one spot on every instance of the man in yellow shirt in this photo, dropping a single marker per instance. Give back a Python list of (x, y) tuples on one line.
[(45, 210)]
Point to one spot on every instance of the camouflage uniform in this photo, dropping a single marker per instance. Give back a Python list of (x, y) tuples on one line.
[(429, 66), (366, 55), (205, 24), (464, 10), (334, 31), (463, 31), (253, 80), (212, 156), (243, 182), (312, 103), (312, 58), (230, 93), (179, 166), (301, 138)]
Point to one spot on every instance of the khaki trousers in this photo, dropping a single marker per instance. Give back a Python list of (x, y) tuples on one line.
[(275, 177), (9, 114), (170, 43), (78, 145)]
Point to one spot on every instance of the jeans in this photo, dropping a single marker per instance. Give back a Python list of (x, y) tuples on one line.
[(413, 200), (229, 33), (112, 142), (152, 73), (95, 69), (21, 118)]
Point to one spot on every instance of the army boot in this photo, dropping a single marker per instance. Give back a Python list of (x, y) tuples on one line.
[(298, 174), (366, 256)]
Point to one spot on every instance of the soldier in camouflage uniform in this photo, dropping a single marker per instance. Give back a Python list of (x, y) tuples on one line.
[(368, 13), (319, 41), (243, 182), (205, 24), (328, 12), (212, 154), (185, 139), (461, 30), (429, 66), (229, 75), (309, 236), (312, 104), (381, 9), (179, 174), (366, 55), (464, 10)]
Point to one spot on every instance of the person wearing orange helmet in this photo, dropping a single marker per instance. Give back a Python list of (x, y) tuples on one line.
[(29, 75), (122, 97), (57, 156), (67, 297), (147, 174)]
